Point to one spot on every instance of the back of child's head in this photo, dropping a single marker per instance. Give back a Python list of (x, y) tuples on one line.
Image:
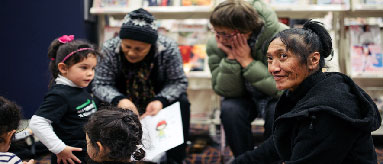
[(9, 116), (119, 131), (68, 51)]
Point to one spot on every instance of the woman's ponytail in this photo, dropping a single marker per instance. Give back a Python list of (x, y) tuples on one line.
[(324, 37)]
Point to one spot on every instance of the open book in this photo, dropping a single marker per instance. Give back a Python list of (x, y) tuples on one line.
[(162, 131)]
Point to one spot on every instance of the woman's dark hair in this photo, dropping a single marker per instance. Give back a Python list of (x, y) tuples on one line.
[(119, 130), (57, 51), (313, 37), (236, 14), (9, 116)]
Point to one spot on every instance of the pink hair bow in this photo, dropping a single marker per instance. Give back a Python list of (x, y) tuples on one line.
[(66, 38)]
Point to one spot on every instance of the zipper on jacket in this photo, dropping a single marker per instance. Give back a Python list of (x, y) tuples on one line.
[(312, 119)]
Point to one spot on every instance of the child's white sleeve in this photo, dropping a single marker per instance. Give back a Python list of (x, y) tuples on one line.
[(43, 130)]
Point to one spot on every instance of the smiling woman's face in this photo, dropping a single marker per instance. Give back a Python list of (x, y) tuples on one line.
[(287, 69)]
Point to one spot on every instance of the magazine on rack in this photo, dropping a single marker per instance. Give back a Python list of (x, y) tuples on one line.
[(366, 51)]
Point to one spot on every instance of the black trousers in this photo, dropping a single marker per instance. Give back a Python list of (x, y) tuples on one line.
[(178, 154), (236, 117)]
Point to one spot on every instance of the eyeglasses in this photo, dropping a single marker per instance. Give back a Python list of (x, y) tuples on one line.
[(225, 36)]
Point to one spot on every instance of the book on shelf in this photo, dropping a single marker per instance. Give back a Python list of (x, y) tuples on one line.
[(158, 3), (193, 57), (133, 4), (196, 2), (366, 50), (371, 2), (110, 3)]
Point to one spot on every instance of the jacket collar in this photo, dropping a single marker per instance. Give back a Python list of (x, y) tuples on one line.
[(65, 81)]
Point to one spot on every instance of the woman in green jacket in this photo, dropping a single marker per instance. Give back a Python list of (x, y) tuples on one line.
[(239, 68)]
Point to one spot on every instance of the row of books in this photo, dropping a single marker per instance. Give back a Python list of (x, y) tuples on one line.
[(307, 2), (145, 3), (177, 3), (372, 2)]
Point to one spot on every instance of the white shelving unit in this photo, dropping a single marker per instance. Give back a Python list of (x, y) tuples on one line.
[(200, 81)]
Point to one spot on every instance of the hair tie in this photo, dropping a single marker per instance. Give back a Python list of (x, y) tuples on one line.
[(66, 38), (53, 59), (70, 54)]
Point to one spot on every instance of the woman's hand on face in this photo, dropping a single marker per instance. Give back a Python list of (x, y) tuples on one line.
[(241, 50), (127, 104), (225, 49), (153, 108), (66, 156)]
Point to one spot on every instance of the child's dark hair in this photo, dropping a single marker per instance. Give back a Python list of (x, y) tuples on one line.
[(57, 51), (119, 130), (9, 116), (313, 37)]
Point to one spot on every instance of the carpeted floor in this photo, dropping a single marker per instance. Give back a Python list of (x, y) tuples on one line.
[(206, 149)]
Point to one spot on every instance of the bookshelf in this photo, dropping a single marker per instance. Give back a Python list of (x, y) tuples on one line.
[(161, 12), (307, 10), (200, 90)]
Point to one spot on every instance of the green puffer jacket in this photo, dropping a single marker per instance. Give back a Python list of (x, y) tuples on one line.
[(228, 77)]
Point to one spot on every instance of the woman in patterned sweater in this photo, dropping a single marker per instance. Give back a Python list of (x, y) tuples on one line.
[(142, 71)]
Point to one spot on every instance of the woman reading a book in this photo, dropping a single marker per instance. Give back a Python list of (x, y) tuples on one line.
[(142, 70), (320, 117)]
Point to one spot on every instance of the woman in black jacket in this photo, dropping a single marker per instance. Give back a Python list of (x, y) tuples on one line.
[(321, 117)]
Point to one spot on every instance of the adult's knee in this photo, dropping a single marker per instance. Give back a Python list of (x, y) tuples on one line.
[(231, 109)]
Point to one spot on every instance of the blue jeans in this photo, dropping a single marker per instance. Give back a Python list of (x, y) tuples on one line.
[(236, 117)]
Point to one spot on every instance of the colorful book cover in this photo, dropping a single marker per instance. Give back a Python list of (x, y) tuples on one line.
[(193, 57), (366, 50)]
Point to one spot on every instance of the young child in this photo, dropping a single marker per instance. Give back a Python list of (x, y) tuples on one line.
[(9, 122), (114, 135), (59, 121)]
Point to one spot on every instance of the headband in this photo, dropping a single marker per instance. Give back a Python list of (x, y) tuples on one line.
[(73, 52), (64, 39)]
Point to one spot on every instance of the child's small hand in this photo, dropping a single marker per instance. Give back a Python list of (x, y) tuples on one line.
[(29, 162), (66, 156)]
